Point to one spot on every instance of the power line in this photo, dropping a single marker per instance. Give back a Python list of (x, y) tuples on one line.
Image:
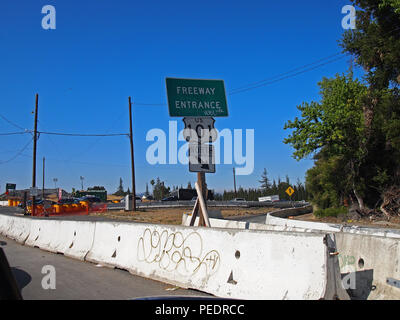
[(285, 73), (84, 134), (279, 77), (12, 123), (287, 77), (14, 133), (18, 153), (149, 104), (92, 145)]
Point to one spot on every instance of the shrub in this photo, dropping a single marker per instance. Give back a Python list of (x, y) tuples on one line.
[(330, 212)]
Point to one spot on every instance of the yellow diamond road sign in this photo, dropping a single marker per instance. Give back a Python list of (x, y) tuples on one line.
[(289, 191)]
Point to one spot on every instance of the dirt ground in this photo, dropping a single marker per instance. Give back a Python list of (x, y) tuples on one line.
[(174, 215), (379, 222)]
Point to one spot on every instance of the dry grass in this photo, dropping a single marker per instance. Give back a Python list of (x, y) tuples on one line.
[(174, 215), (111, 197), (393, 223)]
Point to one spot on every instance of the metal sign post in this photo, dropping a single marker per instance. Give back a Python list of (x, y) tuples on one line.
[(290, 191)]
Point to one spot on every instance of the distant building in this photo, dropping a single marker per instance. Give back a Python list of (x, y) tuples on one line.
[(48, 193)]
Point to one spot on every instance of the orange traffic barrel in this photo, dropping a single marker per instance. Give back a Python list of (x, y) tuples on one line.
[(57, 208)]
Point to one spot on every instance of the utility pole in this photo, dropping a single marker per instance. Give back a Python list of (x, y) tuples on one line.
[(234, 181), (132, 157), (43, 179), (34, 155), (82, 178)]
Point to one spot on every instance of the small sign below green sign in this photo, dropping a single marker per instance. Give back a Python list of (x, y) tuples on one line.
[(196, 98)]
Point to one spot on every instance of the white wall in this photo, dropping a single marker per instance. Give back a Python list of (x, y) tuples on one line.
[(241, 264)]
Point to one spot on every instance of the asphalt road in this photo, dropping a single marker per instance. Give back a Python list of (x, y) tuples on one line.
[(77, 280), (253, 219)]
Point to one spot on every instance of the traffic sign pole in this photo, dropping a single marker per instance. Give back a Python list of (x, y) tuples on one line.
[(201, 180), (290, 192), (198, 101)]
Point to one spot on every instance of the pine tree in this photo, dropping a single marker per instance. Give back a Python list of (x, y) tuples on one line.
[(120, 190), (265, 183)]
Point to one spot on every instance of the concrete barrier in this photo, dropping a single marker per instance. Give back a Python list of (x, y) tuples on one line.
[(4, 224), (368, 258), (271, 219), (80, 239), (368, 262), (34, 233), (71, 238), (287, 212), (229, 263), (14, 227), (235, 224), (19, 229), (113, 245), (239, 264)]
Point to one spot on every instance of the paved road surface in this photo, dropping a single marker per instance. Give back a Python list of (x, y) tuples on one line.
[(260, 218), (76, 279)]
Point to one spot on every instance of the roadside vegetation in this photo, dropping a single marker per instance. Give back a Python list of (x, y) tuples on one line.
[(330, 212), (353, 132)]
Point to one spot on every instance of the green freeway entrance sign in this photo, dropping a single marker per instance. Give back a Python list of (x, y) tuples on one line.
[(196, 98)]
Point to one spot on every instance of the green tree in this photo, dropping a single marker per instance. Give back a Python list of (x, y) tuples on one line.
[(334, 127), (375, 42), (160, 191), (265, 183), (120, 190)]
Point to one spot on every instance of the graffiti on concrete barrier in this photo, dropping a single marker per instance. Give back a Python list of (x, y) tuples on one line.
[(174, 252), (347, 266), (345, 260)]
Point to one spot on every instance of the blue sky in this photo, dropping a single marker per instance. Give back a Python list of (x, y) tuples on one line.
[(103, 51)]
